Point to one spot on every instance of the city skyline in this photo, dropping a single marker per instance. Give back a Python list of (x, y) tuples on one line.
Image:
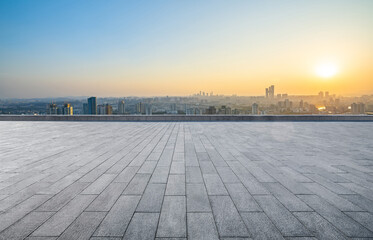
[(131, 48)]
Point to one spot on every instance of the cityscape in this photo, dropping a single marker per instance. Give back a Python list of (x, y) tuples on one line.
[(186, 120), (201, 103)]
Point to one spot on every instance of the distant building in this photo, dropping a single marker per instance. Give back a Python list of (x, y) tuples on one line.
[(225, 110), (67, 109), (108, 109), (148, 109), (85, 108), (101, 109), (52, 109), (140, 108), (270, 92), (326, 94), (255, 109), (121, 107), (358, 108), (92, 105), (211, 110)]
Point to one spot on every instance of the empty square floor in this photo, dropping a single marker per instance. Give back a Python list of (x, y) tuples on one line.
[(186, 180)]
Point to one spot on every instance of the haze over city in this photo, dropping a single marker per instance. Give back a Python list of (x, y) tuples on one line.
[(177, 48)]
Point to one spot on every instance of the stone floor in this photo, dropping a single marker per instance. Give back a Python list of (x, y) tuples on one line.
[(210, 180)]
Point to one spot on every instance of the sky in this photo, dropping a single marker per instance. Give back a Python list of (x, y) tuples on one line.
[(167, 47)]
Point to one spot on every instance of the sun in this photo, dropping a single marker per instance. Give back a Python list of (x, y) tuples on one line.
[(326, 70)]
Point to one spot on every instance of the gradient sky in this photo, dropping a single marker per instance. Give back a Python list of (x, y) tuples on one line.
[(167, 47)]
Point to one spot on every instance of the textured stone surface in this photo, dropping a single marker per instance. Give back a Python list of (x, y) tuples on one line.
[(186, 180)]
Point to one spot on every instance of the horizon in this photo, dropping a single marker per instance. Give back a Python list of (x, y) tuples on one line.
[(52, 49)]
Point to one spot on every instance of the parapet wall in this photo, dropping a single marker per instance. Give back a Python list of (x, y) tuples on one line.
[(191, 118)]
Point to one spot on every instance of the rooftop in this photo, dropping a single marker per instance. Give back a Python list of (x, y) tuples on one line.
[(195, 180)]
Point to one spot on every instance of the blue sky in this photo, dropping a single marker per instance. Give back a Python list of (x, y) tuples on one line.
[(118, 48)]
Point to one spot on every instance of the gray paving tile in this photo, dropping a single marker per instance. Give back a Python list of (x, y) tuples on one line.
[(260, 226), (214, 185), (160, 175), (99, 184), (117, 220), (142, 226), (281, 217), (340, 220), (14, 214), (288, 199), (207, 167), (25, 226), (137, 184), (242, 198), (172, 222), (364, 218), (83, 227), (362, 202), (227, 218), (177, 168), (152, 198), (197, 199), (175, 185), (148, 167), (62, 198), (195, 231), (63, 218), (227, 175), (108, 197), (127, 174), (320, 227), (193, 175), (332, 198)]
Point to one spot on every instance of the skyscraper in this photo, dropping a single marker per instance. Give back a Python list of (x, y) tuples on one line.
[(92, 105), (140, 108), (121, 107), (67, 109), (52, 108), (270, 92)]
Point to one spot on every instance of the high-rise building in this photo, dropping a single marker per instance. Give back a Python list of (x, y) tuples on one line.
[(121, 107), (108, 109), (270, 92), (92, 105), (140, 108), (326, 94), (358, 108), (255, 109), (67, 109), (52, 109), (85, 108)]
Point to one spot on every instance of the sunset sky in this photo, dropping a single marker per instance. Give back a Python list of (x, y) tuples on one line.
[(167, 47)]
